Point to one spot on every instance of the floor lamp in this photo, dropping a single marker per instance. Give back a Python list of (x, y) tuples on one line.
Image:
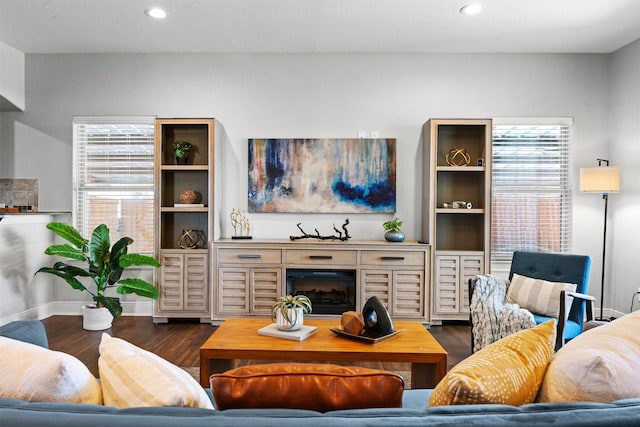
[(605, 180)]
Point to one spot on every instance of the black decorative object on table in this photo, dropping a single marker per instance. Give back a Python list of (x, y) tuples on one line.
[(338, 236), (377, 322)]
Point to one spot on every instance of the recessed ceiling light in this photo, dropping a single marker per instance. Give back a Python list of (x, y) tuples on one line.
[(156, 12), (472, 9)]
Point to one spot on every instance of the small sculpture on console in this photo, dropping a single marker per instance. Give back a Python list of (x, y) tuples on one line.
[(239, 221), (338, 236)]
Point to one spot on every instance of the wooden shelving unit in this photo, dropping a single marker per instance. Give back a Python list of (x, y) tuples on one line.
[(183, 280), (460, 236)]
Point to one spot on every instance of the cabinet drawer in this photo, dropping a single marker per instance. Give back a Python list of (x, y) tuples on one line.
[(393, 258), (249, 256), (320, 257)]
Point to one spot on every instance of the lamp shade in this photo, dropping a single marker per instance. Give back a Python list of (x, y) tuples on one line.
[(603, 179)]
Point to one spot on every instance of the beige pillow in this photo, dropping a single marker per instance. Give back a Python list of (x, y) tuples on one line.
[(509, 371), (133, 377), (537, 295), (34, 373), (600, 365)]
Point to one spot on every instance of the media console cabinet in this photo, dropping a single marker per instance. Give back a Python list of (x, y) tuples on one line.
[(249, 275)]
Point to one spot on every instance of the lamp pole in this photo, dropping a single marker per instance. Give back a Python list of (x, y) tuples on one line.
[(605, 196)]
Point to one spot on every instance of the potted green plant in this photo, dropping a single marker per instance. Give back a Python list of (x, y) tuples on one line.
[(182, 149), (104, 266), (289, 311), (393, 230)]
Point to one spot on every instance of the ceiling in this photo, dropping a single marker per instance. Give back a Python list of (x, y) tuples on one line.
[(97, 26)]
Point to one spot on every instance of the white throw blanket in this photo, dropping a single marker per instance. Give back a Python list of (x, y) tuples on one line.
[(491, 317)]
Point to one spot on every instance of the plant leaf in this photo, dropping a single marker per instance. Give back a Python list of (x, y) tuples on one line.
[(69, 278), (138, 287), (99, 247), (119, 248), (127, 260), (68, 233), (66, 251), (72, 269), (111, 303)]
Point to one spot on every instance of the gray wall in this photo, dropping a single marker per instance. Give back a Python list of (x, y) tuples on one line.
[(316, 95), (623, 247)]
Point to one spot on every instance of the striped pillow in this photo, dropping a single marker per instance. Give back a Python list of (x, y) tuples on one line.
[(537, 295), (134, 377)]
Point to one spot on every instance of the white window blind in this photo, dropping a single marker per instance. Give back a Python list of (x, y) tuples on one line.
[(531, 190), (113, 177)]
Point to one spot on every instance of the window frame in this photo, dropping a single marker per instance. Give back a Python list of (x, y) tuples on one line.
[(560, 186), (99, 184)]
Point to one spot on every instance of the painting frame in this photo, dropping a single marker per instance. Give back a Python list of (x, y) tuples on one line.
[(321, 175)]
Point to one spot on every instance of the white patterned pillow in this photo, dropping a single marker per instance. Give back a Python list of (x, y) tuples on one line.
[(537, 295), (134, 377), (34, 373)]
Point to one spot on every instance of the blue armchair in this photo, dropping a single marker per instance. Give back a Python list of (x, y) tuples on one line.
[(553, 267)]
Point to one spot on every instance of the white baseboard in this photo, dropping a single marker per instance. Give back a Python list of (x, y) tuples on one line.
[(74, 308), (129, 308), (34, 313), (608, 313)]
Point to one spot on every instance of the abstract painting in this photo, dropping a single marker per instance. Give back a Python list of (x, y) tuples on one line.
[(322, 175)]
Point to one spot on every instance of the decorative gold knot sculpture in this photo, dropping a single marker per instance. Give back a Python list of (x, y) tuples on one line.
[(458, 157), (192, 239)]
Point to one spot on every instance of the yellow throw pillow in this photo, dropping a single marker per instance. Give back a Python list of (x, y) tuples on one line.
[(134, 377), (509, 371), (34, 373), (599, 365)]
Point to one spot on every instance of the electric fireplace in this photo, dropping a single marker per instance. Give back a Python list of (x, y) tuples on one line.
[(330, 291)]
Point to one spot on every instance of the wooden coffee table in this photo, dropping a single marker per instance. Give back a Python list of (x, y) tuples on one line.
[(237, 338)]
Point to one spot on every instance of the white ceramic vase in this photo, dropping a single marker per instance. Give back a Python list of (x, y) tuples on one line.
[(285, 325), (96, 319)]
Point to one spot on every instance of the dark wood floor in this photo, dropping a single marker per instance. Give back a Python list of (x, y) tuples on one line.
[(179, 341)]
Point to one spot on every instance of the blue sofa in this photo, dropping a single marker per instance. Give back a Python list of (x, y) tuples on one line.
[(17, 413)]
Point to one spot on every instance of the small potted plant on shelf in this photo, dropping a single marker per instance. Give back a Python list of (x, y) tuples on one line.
[(105, 265), (393, 230), (182, 149), (289, 311)]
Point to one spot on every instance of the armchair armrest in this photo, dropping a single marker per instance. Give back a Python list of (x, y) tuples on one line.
[(588, 299), (581, 296), (566, 297)]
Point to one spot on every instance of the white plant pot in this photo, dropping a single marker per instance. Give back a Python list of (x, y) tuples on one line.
[(96, 319), (285, 325)]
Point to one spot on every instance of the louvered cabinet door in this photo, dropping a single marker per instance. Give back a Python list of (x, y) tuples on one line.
[(471, 265), (233, 290), (376, 283), (446, 284), (170, 295), (408, 294), (196, 282), (265, 283)]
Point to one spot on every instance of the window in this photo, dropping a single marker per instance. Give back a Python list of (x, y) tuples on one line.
[(531, 192), (113, 177)]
